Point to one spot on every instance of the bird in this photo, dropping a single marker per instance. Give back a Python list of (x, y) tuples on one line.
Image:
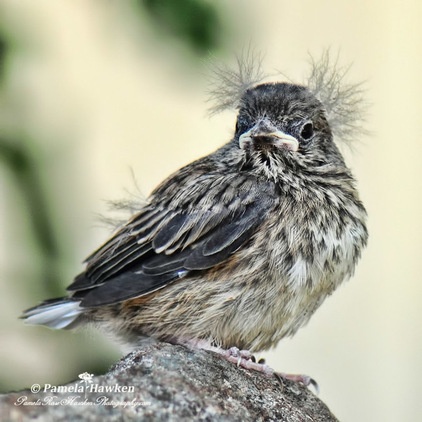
[(238, 249)]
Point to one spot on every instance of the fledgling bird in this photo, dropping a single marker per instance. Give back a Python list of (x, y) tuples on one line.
[(239, 248)]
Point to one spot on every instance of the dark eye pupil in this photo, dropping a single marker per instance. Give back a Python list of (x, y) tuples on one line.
[(307, 131), (241, 125)]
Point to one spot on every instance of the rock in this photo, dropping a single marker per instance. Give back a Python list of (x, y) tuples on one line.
[(164, 382)]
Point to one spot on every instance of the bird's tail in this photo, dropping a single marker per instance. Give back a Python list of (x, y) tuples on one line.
[(54, 313)]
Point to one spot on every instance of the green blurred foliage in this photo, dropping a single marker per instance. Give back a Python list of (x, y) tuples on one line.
[(2, 56), (197, 23), (22, 162), (23, 159)]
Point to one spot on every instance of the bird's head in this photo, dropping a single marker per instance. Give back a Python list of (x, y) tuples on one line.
[(281, 125)]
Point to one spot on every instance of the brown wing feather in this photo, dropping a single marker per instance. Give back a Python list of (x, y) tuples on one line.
[(168, 240)]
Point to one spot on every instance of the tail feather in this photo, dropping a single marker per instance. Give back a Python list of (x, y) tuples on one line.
[(55, 313)]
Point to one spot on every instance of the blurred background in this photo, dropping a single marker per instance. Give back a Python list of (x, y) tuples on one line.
[(100, 100)]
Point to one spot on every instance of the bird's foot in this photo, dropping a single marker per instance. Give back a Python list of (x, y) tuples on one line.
[(245, 359)]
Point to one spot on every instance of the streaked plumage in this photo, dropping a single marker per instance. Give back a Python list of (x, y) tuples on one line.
[(238, 248)]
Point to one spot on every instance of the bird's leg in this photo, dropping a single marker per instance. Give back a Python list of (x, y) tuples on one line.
[(245, 359)]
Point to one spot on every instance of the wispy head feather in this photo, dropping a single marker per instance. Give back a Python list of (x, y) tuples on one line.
[(343, 102), (228, 85)]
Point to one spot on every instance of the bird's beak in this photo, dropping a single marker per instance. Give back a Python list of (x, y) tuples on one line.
[(267, 135)]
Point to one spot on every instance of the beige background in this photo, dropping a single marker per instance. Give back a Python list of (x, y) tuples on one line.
[(104, 96)]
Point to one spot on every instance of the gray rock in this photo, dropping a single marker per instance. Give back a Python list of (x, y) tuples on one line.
[(163, 382)]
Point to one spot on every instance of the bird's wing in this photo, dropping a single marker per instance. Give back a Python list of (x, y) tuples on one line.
[(191, 229)]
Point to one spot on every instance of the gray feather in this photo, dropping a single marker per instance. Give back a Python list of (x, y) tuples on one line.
[(344, 102), (229, 85)]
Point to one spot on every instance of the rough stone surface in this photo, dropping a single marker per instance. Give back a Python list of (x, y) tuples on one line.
[(170, 383)]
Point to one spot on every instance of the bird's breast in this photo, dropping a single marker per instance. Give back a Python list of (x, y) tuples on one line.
[(300, 255)]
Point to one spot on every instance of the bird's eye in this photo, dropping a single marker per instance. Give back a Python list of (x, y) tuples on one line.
[(242, 124), (307, 131)]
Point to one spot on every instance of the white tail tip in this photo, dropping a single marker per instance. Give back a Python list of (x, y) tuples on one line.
[(58, 314)]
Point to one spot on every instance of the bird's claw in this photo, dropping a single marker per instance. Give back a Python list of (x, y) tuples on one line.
[(306, 380)]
